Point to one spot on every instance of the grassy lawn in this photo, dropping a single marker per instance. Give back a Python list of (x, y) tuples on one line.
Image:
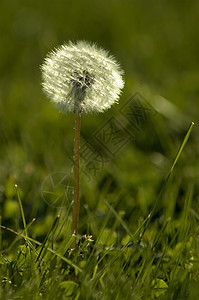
[(138, 228)]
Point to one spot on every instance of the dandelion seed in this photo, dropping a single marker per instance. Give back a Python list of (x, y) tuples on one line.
[(81, 78)]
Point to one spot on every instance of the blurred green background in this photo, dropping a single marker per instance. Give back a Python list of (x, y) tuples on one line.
[(157, 45)]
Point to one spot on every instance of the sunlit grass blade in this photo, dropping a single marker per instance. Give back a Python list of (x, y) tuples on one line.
[(171, 170), (64, 247), (133, 237), (124, 225), (182, 146), (184, 229), (21, 209)]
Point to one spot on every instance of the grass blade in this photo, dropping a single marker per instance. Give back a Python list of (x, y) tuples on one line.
[(21, 209), (171, 169)]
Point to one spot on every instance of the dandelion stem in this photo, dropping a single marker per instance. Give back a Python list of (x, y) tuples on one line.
[(76, 202)]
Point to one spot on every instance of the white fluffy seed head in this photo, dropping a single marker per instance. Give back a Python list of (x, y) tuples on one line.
[(81, 77)]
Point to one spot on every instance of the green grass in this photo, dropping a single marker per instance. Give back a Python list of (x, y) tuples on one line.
[(157, 260)]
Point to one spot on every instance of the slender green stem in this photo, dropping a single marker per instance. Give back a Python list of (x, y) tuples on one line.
[(149, 217), (22, 212), (76, 203)]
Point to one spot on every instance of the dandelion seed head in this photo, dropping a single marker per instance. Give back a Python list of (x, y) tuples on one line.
[(81, 77)]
